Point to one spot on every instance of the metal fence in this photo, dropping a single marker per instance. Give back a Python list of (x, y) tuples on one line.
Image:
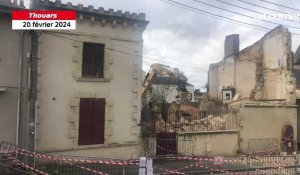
[(263, 146), (189, 120), (28, 161), (268, 165), (157, 147), (24, 161)]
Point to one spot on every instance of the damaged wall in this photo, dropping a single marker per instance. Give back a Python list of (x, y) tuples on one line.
[(261, 71), (277, 65)]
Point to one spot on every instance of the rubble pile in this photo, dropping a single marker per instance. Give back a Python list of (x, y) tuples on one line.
[(209, 123)]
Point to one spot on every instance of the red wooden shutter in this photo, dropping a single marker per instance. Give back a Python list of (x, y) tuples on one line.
[(85, 121), (91, 121), (99, 121)]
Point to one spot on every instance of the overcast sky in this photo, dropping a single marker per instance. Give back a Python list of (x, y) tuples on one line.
[(190, 39)]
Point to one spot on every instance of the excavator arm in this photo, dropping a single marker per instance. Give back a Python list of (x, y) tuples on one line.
[(161, 70)]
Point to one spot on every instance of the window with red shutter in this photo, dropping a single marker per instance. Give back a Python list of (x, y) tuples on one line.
[(91, 121)]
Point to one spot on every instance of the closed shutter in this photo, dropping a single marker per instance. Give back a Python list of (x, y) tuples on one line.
[(85, 121), (91, 121), (99, 121)]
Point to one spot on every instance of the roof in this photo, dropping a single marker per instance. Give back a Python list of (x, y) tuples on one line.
[(8, 6), (167, 81), (98, 13), (297, 56)]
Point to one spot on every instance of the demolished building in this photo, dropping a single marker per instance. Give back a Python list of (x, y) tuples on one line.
[(164, 83), (250, 107), (259, 83)]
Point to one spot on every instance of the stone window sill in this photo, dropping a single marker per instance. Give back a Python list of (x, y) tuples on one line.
[(88, 79)]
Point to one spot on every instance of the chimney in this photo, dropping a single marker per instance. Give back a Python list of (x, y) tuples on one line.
[(232, 45)]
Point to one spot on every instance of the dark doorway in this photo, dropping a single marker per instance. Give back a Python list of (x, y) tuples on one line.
[(166, 143), (288, 139)]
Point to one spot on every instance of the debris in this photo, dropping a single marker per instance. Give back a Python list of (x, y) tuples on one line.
[(236, 97)]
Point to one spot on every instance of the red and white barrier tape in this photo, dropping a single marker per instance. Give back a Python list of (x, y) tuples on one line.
[(169, 171), (16, 161), (221, 161), (106, 162), (81, 167), (177, 171), (164, 149)]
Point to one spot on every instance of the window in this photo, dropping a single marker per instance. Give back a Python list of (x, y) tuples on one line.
[(93, 60), (91, 121), (227, 96)]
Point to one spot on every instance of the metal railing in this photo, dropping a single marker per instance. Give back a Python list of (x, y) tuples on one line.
[(263, 146), (39, 163), (268, 165), (24, 161), (160, 147), (190, 121)]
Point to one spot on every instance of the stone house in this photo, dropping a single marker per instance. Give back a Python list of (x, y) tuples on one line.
[(258, 82), (87, 84)]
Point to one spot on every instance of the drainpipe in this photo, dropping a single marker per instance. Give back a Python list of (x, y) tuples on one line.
[(19, 84), (33, 90)]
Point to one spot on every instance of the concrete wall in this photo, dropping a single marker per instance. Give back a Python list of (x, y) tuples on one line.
[(213, 143), (264, 121), (221, 75), (245, 80), (61, 86), (275, 47), (277, 65), (9, 72)]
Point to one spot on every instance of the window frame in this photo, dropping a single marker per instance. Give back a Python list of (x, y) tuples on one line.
[(92, 67)]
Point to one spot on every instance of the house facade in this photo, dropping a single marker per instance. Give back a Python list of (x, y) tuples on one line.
[(84, 85), (89, 81), (259, 83)]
